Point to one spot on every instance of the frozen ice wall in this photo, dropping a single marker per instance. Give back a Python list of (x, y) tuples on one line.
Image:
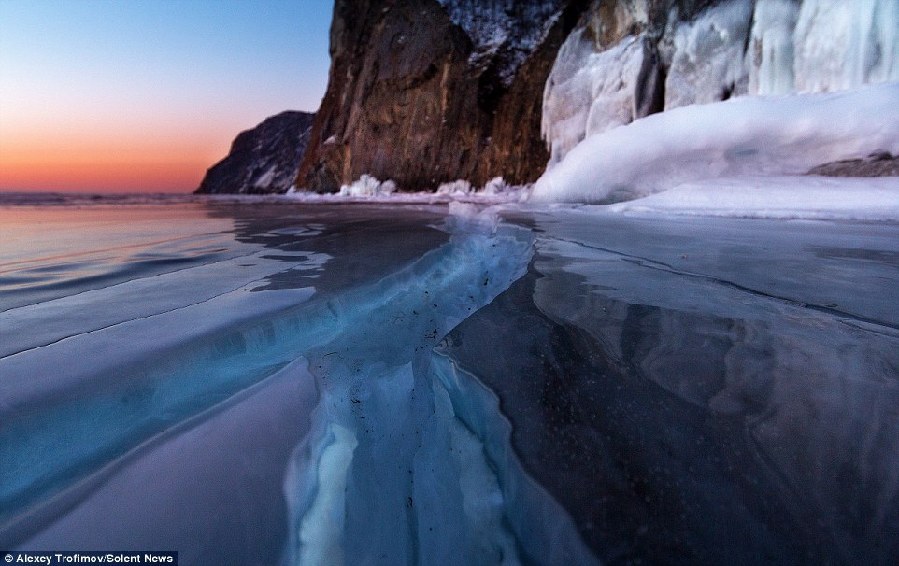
[(707, 64), (731, 49), (589, 92), (842, 45)]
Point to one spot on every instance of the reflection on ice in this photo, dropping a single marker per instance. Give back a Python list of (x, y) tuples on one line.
[(684, 408), (211, 490)]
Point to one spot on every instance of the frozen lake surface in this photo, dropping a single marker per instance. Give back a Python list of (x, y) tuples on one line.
[(268, 382)]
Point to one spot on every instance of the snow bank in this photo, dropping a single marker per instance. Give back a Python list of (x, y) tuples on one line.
[(776, 197), (743, 136)]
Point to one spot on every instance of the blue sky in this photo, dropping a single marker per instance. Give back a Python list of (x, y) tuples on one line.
[(97, 81)]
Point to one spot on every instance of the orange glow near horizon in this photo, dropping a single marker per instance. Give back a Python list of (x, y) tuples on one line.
[(110, 146), (102, 159), (102, 177)]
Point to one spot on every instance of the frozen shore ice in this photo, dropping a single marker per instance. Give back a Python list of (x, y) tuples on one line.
[(811, 198)]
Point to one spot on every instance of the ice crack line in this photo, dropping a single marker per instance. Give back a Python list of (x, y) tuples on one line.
[(667, 268), (379, 434), (144, 317), (127, 281)]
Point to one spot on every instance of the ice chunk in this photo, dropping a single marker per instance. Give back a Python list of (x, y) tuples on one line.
[(321, 532), (489, 194), (496, 186), (744, 136), (464, 209), (368, 186), (458, 187)]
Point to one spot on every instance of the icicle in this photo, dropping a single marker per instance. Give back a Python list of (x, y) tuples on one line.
[(770, 54)]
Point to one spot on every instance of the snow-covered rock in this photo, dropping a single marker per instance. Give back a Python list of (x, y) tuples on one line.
[(506, 30), (263, 159)]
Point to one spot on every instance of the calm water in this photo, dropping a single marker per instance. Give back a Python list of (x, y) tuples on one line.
[(260, 382)]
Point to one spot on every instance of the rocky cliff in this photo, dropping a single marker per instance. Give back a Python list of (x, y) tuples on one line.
[(264, 159), (429, 91), (425, 92)]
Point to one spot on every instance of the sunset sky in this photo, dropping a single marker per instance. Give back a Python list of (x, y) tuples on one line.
[(144, 95)]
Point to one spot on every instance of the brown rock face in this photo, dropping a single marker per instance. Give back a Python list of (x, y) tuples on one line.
[(880, 164), (513, 147), (411, 99)]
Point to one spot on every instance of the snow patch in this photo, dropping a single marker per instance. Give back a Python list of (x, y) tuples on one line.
[(266, 178), (744, 136)]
